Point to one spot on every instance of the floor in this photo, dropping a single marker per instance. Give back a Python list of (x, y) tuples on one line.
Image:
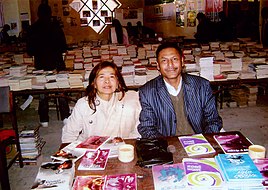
[(251, 121)]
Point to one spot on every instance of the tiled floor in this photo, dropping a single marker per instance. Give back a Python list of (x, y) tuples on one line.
[(251, 121)]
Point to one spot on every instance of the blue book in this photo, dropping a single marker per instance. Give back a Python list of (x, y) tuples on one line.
[(238, 168)]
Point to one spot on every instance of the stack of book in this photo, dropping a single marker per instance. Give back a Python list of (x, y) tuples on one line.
[(239, 171), (31, 145)]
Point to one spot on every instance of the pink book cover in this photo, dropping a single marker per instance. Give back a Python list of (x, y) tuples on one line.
[(94, 160), (121, 181), (233, 143), (93, 142), (262, 165), (89, 182)]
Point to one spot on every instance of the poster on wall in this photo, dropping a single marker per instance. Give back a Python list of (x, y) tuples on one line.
[(130, 13), (213, 8), (180, 11), (191, 18)]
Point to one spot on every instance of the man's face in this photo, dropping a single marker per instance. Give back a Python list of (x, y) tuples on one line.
[(169, 64)]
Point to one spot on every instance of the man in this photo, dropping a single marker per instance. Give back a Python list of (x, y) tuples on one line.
[(46, 42), (4, 36), (176, 103)]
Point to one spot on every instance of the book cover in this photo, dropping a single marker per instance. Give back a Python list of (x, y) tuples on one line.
[(169, 176), (93, 142), (238, 168), (88, 182), (54, 176), (196, 145), (202, 173), (262, 165), (94, 160), (233, 143), (121, 181)]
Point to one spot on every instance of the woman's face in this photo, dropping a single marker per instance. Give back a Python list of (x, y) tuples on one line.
[(106, 83)]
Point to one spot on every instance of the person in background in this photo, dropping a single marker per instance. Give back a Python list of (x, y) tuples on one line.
[(4, 36), (225, 31), (107, 108), (46, 42), (205, 31), (131, 32), (118, 34), (264, 31), (176, 103)]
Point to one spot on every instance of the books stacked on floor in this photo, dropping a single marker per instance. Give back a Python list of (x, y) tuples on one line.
[(31, 145), (239, 171)]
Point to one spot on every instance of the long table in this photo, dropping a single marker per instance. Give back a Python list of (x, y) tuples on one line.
[(144, 175), (218, 87)]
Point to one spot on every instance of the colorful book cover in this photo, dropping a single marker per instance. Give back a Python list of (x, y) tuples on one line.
[(93, 142), (262, 165), (169, 176), (54, 176), (121, 181), (202, 173), (94, 160), (238, 168), (233, 143), (89, 182), (196, 145)]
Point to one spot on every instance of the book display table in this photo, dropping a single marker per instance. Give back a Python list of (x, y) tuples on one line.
[(144, 175)]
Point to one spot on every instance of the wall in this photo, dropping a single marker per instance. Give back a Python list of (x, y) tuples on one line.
[(74, 32)]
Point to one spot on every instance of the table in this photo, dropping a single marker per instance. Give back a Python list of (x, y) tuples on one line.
[(145, 177)]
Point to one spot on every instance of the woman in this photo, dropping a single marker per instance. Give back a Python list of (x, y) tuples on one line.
[(106, 110), (118, 34)]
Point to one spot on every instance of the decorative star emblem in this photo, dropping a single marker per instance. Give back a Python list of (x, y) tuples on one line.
[(95, 13)]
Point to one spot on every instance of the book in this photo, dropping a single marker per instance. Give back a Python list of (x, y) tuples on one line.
[(51, 175), (169, 176), (94, 160), (89, 182), (196, 145), (239, 170), (262, 165), (121, 181), (93, 142), (202, 173), (233, 143)]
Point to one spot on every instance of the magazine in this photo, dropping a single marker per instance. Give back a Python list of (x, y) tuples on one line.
[(239, 169), (88, 182), (202, 173), (169, 176), (121, 181), (233, 143), (262, 165), (94, 160), (54, 176), (196, 145), (93, 142)]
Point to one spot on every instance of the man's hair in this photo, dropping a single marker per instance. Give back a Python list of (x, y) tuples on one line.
[(168, 45)]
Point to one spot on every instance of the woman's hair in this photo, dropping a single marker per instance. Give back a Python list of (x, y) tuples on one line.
[(119, 30), (91, 91)]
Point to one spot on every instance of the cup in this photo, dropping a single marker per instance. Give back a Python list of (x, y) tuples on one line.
[(256, 151), (126, 153)]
